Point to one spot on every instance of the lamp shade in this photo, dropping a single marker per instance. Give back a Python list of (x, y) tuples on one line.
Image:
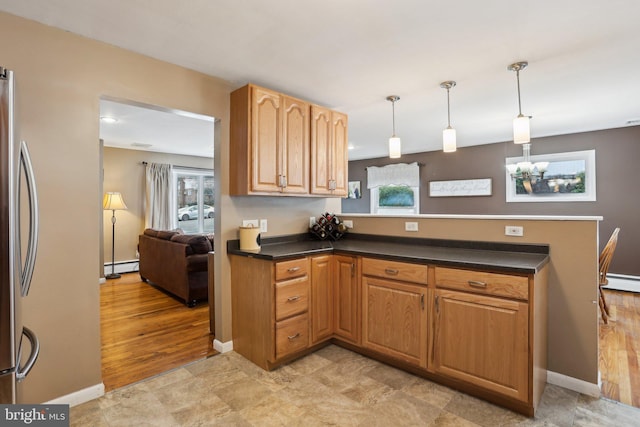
[(521, 131), (449, 140), (394, 148), (113, 201)]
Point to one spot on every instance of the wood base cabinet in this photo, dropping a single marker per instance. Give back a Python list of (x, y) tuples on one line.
[(270, 308), (322, 305), (394, 316), (347, 300), (482, 340)]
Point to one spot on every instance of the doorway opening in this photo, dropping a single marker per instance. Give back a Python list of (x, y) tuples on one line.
[(147, 329)]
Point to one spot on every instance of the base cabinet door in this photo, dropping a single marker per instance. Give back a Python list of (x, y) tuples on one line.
[(497, 331), (347, 298), (395, 319), (321, 306)]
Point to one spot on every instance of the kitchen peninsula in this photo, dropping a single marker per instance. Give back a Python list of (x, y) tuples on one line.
[(467, 314)]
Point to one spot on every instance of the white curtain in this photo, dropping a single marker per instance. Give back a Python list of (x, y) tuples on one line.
[(158, 197), (396, 174)]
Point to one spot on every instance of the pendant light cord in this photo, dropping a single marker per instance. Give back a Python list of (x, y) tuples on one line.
[(393, 115), (448, 111), (519, 102)]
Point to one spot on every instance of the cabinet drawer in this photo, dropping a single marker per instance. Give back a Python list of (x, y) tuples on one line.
[(292, 335), (395, 270), (292, 268), (292, 297), (502, 285)]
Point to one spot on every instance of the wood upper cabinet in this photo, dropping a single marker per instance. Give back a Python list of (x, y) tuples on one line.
[(321, 307), (483, 340), (394, 315), (347, 300), (269, 143), (329, 152)]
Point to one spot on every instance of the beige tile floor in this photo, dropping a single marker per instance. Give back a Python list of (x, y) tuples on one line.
[(332, 386)]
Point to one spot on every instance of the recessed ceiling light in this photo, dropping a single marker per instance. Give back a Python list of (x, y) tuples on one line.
[(141, 145), (633, 122), (351, 147), (108, 119)]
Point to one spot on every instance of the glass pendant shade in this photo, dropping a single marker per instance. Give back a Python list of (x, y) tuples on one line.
[(449, 140), (521, 131), (394, 147)]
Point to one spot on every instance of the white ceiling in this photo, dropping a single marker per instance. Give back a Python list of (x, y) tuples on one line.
[(350, 55)]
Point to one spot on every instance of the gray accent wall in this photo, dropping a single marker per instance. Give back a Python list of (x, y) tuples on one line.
[(618, 191)]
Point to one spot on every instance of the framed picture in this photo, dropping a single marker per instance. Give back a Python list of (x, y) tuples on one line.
[(460, 187), (558, 177), (354, 190)]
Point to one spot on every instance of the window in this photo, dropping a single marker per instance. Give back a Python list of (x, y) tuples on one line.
[(395, 189), (395, 200), (194, 200)]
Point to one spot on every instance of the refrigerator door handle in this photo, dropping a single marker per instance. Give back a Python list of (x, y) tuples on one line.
[(23, 371), (27, 272)]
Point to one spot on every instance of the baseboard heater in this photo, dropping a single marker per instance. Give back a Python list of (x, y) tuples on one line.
[(123, 267)]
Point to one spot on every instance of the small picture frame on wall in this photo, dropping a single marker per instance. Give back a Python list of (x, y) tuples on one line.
[(354, 190)]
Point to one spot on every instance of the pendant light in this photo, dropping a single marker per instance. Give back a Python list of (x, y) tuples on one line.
[(449, 134), (394, 142), (521, 129)]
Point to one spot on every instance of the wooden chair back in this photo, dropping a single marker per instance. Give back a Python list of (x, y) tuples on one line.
[(607, 255)]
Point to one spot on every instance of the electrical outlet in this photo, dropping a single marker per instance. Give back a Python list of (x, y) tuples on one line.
[(312, 220), (513, 230), (250, 222), (348, 223), (263, 225), (410, 226)]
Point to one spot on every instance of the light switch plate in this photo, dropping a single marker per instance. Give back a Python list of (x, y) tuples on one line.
[(263, 225), (348, 223), (312, 220)]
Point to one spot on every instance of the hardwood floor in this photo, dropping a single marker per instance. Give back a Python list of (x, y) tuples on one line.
[(620, 348), (145, 331)]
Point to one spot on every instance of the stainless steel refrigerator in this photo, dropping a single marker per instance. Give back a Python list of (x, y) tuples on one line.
[(19, 346)]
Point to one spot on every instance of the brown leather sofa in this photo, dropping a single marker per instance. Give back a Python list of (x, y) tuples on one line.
[(176, 262)]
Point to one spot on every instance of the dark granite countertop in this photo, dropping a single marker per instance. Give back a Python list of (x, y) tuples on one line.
[(494, 256)]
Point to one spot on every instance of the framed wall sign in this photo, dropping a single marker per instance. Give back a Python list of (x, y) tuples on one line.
[(460, 187), (557, 177)]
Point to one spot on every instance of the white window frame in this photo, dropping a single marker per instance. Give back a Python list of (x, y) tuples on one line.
[(176, 172), (386, 210)]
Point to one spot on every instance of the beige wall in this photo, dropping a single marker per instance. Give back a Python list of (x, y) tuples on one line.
[(61, 78), (573, 273), (124, 172)]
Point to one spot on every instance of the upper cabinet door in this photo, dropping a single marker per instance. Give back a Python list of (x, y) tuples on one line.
[(266, 150), (340, 159), (295, 146), (329, 160), (320, 149)]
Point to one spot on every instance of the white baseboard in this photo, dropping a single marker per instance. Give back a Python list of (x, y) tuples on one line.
[(102, 280), (122, 266), (574, 384), (80, 396), (222, 347)]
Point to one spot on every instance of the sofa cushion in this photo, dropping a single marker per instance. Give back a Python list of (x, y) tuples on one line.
[(166, 234), (150, 232), (198, 244)]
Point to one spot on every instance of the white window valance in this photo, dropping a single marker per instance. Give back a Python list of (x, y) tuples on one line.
[(396, 174)]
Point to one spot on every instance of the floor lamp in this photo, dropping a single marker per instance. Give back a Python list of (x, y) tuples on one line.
[(112, 201)]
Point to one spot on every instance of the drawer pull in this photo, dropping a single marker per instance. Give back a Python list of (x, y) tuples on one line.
[(477, 284), (293, 337), (391, 271), (294, 298), (293, 269)]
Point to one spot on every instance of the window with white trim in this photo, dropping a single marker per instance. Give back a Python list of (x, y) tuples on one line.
[(395, 189), (194, 200)]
